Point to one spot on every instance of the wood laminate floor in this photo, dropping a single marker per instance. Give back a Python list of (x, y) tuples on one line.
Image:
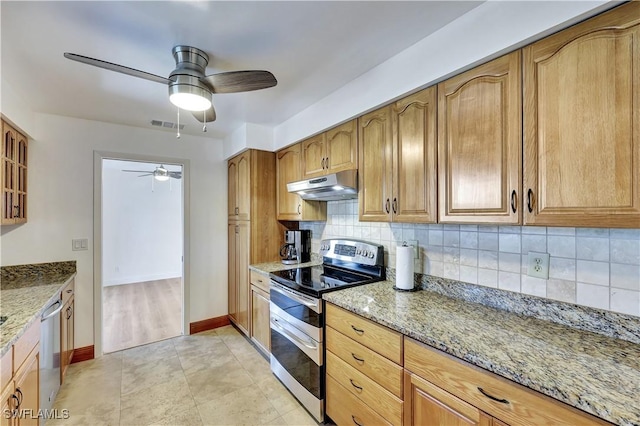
[(140, 313), (211, 378)]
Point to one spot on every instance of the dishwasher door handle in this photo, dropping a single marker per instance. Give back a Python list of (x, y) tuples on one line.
[(55, 312)]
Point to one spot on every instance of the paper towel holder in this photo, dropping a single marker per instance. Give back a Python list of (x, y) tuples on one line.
[(407, 290)]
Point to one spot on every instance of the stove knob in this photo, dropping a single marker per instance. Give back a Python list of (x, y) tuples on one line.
[(370, 255)]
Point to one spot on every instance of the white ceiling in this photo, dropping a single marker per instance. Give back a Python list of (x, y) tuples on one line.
[(312, 47)]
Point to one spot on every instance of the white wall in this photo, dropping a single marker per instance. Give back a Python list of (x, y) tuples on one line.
[(141, 224), (487, 31), (61, 206)]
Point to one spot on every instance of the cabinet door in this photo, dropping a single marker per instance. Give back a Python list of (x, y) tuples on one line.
[(242, 271), (260, 329), (64, 342), (8, 174), (480, 144), (375, 165), (232, 297), (7, 404), (28, 388), (582, 123), (427, 404), (415, 158), (313, 156), (288, 170), (71, 328), (244, 186), (342, 147), (20, 195), (232, 182)]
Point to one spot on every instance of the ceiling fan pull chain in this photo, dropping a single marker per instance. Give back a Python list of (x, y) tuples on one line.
[(204, 119), (178, 127)]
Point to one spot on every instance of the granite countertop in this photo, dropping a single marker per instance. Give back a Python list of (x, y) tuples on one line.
[(268, 267), (590, 371), (25, 292)]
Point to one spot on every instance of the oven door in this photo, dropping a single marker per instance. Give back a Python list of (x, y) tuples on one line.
[(299, 310)]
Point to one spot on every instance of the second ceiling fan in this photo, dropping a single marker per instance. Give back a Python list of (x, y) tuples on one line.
[(189, 87)]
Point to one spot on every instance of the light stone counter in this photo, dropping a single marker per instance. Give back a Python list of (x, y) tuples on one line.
[(592, 372), (25, 292)]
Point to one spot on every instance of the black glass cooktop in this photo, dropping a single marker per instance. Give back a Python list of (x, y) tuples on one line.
[(315, 280)]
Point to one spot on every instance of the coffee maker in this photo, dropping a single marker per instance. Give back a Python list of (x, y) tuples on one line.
[(296, 247)]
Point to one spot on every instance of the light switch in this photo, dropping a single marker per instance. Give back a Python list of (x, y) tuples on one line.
[(80, 244)]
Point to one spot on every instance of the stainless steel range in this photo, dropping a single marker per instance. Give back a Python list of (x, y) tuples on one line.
[(297, 314)]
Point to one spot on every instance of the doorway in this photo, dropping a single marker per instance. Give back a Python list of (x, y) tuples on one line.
[(142, 251)]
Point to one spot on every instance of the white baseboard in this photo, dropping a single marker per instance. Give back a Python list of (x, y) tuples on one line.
[(140, 278)]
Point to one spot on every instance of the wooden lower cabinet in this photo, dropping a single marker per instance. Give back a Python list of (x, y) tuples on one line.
[(344, 408), (27, 388), (7, 404), (260, 329), (427, 404)]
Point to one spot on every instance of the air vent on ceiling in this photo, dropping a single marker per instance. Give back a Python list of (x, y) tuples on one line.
[(166, 124)]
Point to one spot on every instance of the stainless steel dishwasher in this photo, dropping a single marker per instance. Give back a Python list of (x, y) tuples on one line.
[(50, 354)]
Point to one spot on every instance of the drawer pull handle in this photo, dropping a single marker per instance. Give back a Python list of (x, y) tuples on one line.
[(356, 358), (355, 421), (356, 386), (504, 401), (357, 330)]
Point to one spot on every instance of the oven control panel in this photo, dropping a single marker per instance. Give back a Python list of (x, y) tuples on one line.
[(353, 251)]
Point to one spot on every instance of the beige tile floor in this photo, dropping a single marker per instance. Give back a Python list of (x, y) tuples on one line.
[(211, 378)]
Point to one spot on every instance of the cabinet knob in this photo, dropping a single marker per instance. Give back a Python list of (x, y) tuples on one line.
[(326, 163), (386, 206), (502, 400), (395, 206), (299, 208), (514, 201)]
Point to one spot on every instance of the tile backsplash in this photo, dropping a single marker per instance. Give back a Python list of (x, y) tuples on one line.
[(596, 267)]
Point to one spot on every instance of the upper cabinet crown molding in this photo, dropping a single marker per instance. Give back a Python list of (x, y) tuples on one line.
[(582, 124), (480, 144)]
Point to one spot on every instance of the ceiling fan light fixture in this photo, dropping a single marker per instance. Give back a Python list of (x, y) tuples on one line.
[(190, 98), (161, 178)]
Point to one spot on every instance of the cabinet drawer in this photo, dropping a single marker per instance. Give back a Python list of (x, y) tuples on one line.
[(346, 409), (382, 340), (68, 292), (259, 280), (365, 389), (524, 406), (376, 367), (25, 344)]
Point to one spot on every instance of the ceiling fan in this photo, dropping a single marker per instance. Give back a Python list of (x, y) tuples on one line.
[(189, 87), (160, 173)]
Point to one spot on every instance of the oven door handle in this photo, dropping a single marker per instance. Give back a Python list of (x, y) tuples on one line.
[(297, 298), (276, 324)]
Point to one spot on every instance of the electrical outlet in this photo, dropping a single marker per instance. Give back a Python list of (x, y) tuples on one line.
[(416, 248), (538, 265)]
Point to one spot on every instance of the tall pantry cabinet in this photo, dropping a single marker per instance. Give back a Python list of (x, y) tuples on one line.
[(253, 231)]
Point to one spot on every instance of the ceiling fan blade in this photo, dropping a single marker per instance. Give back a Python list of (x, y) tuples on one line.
[(175, 175), (147, 174), (240, 81), (139, 171), (200, 115), (115, 67)]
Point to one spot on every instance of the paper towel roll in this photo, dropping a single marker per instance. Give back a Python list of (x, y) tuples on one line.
[(404, 267)]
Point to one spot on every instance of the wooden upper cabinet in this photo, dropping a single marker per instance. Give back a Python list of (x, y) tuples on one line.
[(330, 152), (290, 206), (342, 147), (313, 156), (375, 165), (239, 178), (13, 170), (415, 158), (288, 170), (479, 144), (582, 123)]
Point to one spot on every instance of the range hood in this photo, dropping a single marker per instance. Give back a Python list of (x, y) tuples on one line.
[(337, 186)]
